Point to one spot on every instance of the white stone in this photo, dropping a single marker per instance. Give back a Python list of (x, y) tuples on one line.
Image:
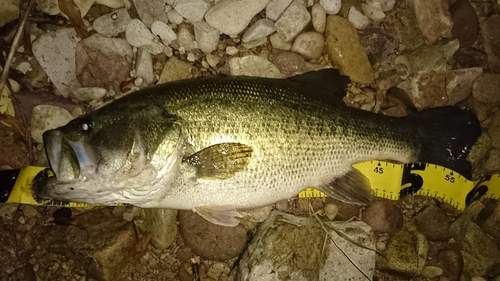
[(382, 5), (213, 60), (318, 14), (372, 13), (186, 39), (112, 24), (144, 67), (89, 93), (150, 11), (254, 43), (309, 44), (156, 47), (137, 34), (175, 17), (358, 20), (232, 16), (260, 29), (192, 10), (231, 50), (279, 43), (332, 7), (253, 66), (293, 20), (46, 117), (55, 52), (163, 31), (206, 36), (275, 8)]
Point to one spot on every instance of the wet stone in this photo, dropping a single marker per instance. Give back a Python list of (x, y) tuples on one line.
[(433, 223), (465, 23), (210, 241), (433, 19), (470, 57), (383, 216), (451, 262), (485, 88)]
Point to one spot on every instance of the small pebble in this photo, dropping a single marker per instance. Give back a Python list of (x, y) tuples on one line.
[(309, 44), (231, 50), (331, 211), (175, 17), (318, 14), (380, 246), (477, 278), (358, 20), (163, 31), (332, 7), (431, 271), (213, 60), (279, 43)]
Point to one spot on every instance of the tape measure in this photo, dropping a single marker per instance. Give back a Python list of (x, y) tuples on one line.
[(388, 180)]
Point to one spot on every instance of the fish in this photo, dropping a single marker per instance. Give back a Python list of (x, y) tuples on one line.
[(219, 144)]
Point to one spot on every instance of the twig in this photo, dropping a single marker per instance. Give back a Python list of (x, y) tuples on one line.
[(13, 47)]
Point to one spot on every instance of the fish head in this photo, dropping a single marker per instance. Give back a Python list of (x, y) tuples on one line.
[(117, 149)]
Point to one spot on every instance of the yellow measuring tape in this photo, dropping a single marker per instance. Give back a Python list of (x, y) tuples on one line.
[(388, 180)]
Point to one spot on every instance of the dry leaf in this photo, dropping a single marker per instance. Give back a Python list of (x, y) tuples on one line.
[(69, 8)]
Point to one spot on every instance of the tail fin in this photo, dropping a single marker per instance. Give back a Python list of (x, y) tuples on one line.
[(448, 135)]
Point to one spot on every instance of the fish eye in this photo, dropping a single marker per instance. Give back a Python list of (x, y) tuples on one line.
[(86, 125)]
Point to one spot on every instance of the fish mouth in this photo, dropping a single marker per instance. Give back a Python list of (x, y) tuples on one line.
[(69, 160)]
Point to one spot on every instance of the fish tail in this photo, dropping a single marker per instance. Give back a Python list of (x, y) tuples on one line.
[(447, 136)]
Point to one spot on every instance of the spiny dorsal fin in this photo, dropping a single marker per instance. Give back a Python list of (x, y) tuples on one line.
[(220, 161), (328, 80)]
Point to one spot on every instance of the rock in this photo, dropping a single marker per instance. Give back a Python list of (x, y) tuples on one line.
[(161, 224), (232, 50), (144, 67), (494, 130), (192, 10), (33, 72), (262, 28), (46, 117), (479, 251), (150, 11), (55, 52), (164, 32), (138, 34), (489, 218), (9, 11), (331, 211), (382, 5), (281, 249), (309, 44), (374, 14), (279, 43), (210, 241), (490, 30), (232, 16), (433, 223), (485, 88), (213, 60), (89, 94), (174, 70), (275, 8), (383, 216), (51, 7), (206, 37), (102, 253), (112, 24), (431, 272), (459, 83), (452, 263), (406, 32), (405, 254), (185, 38), (470, 57), (492, 162), (175, 17), (465, 23), (255, 43), (345, 51), (103, 62), (332, 7), (290, 63), (318, 15), (358, 20), (433, 19), (253, 66), (293, 20)]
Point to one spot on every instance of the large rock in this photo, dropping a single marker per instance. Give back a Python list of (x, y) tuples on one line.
[(282, 249), (490, 30), (232, 16), (103, 62), (433, 19), (55, 52), (192, 10), (161, 224), (345, 51), (112, 24)]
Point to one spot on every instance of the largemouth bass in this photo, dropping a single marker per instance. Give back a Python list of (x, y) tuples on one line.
[(218, 144)]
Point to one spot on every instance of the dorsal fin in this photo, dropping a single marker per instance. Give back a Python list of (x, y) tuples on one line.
[(328, 80)]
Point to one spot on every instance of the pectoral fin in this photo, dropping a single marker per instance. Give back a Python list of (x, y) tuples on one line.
[(221, 215), (353, 188), (220, 161)]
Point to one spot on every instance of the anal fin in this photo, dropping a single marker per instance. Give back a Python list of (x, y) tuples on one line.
[(352, 188), (221, 215)]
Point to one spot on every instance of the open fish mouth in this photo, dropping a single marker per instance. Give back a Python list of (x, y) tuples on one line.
[(68, 159)]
